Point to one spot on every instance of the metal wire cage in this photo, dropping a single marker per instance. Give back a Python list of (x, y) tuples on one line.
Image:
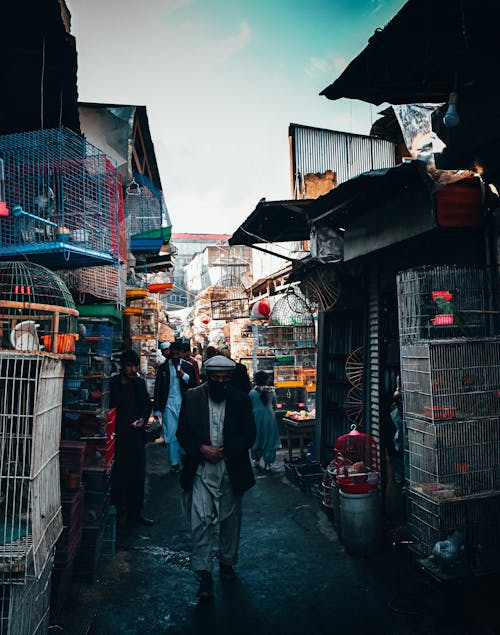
[(64, 199), (37, 312), (321, 286), (143, 210), (101, 283), (291, 323), (30, 414), (229, 300), (443, 302), (454, 379), (455, 458)]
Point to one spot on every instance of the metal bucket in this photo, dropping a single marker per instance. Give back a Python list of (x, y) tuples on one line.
[(361, 520)]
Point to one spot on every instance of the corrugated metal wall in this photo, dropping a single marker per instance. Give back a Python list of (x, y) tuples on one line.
[(348, 155), (340, 334), (372, 393)]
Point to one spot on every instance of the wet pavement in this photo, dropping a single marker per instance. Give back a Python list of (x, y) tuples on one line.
[(294, 577)]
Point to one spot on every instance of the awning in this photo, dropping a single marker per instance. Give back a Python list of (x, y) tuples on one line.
[(427, 50)]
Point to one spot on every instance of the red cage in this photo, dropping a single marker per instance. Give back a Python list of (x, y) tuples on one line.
[(356, 462)]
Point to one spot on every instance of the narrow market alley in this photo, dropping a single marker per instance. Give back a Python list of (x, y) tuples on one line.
[(295, 577)]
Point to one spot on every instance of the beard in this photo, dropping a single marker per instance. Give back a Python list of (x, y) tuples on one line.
[(217, 390)]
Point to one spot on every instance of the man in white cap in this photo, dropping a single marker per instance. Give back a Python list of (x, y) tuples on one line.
[(173, 378), (216, 430)]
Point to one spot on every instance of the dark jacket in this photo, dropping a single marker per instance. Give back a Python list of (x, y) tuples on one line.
[(142, 402), (162, 383), (239, 436), (240, 379)]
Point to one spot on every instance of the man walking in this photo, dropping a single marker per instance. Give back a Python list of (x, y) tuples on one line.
[(216, 430), (129, 396), (186, 356), (173, 378)]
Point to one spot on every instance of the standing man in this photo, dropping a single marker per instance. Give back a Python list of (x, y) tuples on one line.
[(240, 378), (216, 431), (129, 396), (173, 378)]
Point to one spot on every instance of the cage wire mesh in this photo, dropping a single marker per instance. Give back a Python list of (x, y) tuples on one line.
[(291, 322), (460, 458), (321, 287), (452, 379), (478, 520), (37, 311), (443, 302), (60, 190), (24, 610), (229, 299), (30, 414), (143, 210), (103, 283)]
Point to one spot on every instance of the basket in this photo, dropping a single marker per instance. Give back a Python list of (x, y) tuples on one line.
[(309, 476)]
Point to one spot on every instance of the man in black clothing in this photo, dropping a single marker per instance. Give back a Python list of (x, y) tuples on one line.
[(240, 379), (128, 394), (216, 430)]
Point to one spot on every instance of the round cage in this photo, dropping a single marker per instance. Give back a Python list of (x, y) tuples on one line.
[(321, 287), (291, 323), (443, 302), (37, 312), (356, 462), (229, 299)]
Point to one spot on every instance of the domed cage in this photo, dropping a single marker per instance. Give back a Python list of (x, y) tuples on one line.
[(37, 311), (229, 299), (291, 323)]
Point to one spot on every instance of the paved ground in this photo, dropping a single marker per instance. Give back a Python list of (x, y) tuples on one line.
[(295, 578)]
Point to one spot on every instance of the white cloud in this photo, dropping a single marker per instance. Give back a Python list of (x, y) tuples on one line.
[(317, 66), (340, 63), (378, 4), (224, 49)]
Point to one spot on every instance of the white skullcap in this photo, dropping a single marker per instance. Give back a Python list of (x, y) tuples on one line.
[(164, 345), (219, 362)]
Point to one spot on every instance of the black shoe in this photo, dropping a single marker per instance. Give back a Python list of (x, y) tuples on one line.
[(175, 469), (226, 572), (146, 522), (206, 588)]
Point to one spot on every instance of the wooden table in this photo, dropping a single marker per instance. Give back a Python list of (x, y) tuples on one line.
[(298, 430)]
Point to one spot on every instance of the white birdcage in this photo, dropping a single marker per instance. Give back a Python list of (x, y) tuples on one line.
[(25, 610), (30, 424), (103, 283)]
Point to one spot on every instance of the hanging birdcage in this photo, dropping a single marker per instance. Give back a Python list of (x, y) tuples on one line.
[(356, 462), (229, 300), (143, 211), (101, 283), (37, 311), (31, 388), (321, 287), (64, 200), (291, 323)]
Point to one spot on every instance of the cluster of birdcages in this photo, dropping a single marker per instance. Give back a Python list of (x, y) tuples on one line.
[(450, 379), (97, 283), (63, 197)]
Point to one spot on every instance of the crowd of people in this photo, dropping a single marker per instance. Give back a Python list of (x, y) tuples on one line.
[(213, 425)]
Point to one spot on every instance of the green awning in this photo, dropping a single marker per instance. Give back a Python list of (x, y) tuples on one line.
[(162, 233)]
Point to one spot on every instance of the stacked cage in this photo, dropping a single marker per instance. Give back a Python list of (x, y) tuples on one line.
[(91, 284), (64, 200), (450, 378)]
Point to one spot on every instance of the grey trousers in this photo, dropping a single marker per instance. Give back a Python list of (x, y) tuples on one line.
[(207, 509)]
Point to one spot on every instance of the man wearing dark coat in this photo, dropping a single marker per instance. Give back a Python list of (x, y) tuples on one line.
[(216, 430), (128, 394)]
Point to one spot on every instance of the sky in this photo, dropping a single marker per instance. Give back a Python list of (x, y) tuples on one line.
[(222, 80)]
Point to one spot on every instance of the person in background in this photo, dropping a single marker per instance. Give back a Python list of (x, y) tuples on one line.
[(173, 378), (187, 357), (197, 356), (240, 379), (267, 440), (210, 352), (129, 396), (216, 430)]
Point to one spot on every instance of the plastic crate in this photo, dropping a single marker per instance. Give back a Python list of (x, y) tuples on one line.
[(291, 469), (71, 454), (95, 507), (89, 553), (309, 476), (109, 537), (97, 479)]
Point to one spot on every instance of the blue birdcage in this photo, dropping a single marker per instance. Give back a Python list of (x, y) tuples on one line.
[(146, 216), (64, 197)]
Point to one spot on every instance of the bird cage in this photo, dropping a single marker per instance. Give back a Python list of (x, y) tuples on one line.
[(356, 462), (291, 323), (443, 302), (321, 286), (31, 388), (25, 610), (37, 312), (229, 300), (64, 199), (143, 209), (101, 283)]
